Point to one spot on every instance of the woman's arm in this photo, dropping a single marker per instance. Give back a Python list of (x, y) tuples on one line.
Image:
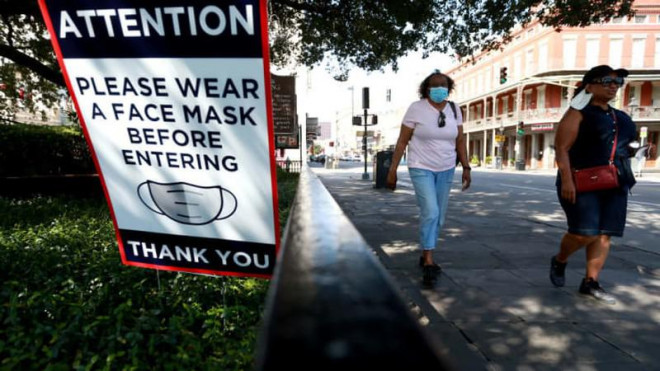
[(566, 134), (404, 137), (461, 151)]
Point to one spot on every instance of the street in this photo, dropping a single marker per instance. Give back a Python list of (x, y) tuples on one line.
[(532, 195)]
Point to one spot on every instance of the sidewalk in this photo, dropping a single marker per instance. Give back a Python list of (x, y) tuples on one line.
[(493, 306)]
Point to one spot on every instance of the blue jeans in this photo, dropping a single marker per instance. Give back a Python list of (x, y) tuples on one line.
[(432, 192)]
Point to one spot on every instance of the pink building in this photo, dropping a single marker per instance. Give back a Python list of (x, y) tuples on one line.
[(543, 68)]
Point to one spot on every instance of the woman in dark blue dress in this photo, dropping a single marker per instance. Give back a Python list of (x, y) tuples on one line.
[(585, 137)]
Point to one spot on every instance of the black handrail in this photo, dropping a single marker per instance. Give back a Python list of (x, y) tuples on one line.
[(332, 305)]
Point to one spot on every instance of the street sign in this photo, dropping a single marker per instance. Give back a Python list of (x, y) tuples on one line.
[(543, 127), (284, 104), (643, 132), (500, 138), (287, 141), (174, 99)]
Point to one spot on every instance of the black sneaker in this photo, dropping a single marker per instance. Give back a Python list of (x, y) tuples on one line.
[(430, 274), (557, 272), (593, 289), (434, 266)]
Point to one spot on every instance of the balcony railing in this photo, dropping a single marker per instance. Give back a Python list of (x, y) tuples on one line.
[(544, 115)]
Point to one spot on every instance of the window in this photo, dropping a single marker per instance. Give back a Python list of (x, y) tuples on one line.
[(656, 96), (632, 94), (657, 51), (388, 95), (527, 105), (488, 78), (616, 46), (617, 20), (638, 52), (543, 57), (517, 66), (570, 48), (529, 62), (641, 18), (593, 51), (540, 97)]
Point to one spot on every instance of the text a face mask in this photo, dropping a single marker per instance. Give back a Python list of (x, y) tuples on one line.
[(438, 94)]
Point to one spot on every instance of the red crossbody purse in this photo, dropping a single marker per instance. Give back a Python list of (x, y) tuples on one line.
[(599, 177)]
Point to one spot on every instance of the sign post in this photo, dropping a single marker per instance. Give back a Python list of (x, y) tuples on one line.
[(174, 99)]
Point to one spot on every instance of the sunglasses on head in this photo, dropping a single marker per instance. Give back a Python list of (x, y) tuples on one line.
[(609, 80), (441, 120)]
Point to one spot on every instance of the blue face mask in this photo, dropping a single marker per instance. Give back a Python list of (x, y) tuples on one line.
[(439, 94)]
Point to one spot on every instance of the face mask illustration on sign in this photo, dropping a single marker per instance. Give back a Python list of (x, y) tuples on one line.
[(188, 203)]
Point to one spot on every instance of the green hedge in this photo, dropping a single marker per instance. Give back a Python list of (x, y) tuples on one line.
[(67, 302), (27, 150)]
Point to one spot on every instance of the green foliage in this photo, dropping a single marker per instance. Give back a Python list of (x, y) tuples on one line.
[(474, 160), (22, 41), (489, 160), (67, 302), (43, 150), (365, 33), (373, 34), (287, 184)]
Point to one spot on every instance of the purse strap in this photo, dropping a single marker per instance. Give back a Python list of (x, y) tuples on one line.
[(616, 136)]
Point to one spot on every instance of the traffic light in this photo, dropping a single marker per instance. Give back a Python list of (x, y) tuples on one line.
[(521, 129), (503, 75), (374, 120)]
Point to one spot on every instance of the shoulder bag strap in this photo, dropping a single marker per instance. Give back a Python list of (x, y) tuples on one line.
[(616, 136)]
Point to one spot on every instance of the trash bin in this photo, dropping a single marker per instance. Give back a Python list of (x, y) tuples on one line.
[(520, 165), (330, 162), (381, 165), (498, 162)]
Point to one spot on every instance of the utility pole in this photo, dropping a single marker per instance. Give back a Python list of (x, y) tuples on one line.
[(365, 105)]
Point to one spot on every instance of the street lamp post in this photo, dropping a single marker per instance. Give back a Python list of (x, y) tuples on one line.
[(365, 105)]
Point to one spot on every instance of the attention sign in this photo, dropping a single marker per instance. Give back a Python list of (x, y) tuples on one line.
[(174, 99)]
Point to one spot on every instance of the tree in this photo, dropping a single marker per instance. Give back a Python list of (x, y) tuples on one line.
[(369, 34)]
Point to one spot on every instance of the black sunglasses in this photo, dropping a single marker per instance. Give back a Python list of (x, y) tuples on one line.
[(605, 81), (441, 120)]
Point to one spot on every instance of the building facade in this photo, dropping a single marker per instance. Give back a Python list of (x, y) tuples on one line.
[(513, 99)]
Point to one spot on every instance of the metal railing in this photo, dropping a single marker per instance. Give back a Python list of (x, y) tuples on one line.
[(331, 304)]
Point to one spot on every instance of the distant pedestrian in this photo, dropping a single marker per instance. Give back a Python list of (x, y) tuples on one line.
[(432, 130), (641, 155), (585, 137)]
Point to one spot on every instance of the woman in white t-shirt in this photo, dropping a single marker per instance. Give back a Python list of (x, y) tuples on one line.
[(432, 129)]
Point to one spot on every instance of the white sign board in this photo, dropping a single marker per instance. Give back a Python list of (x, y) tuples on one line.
[(174, 99)]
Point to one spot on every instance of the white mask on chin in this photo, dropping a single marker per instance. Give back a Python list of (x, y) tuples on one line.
[(581, 100)]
